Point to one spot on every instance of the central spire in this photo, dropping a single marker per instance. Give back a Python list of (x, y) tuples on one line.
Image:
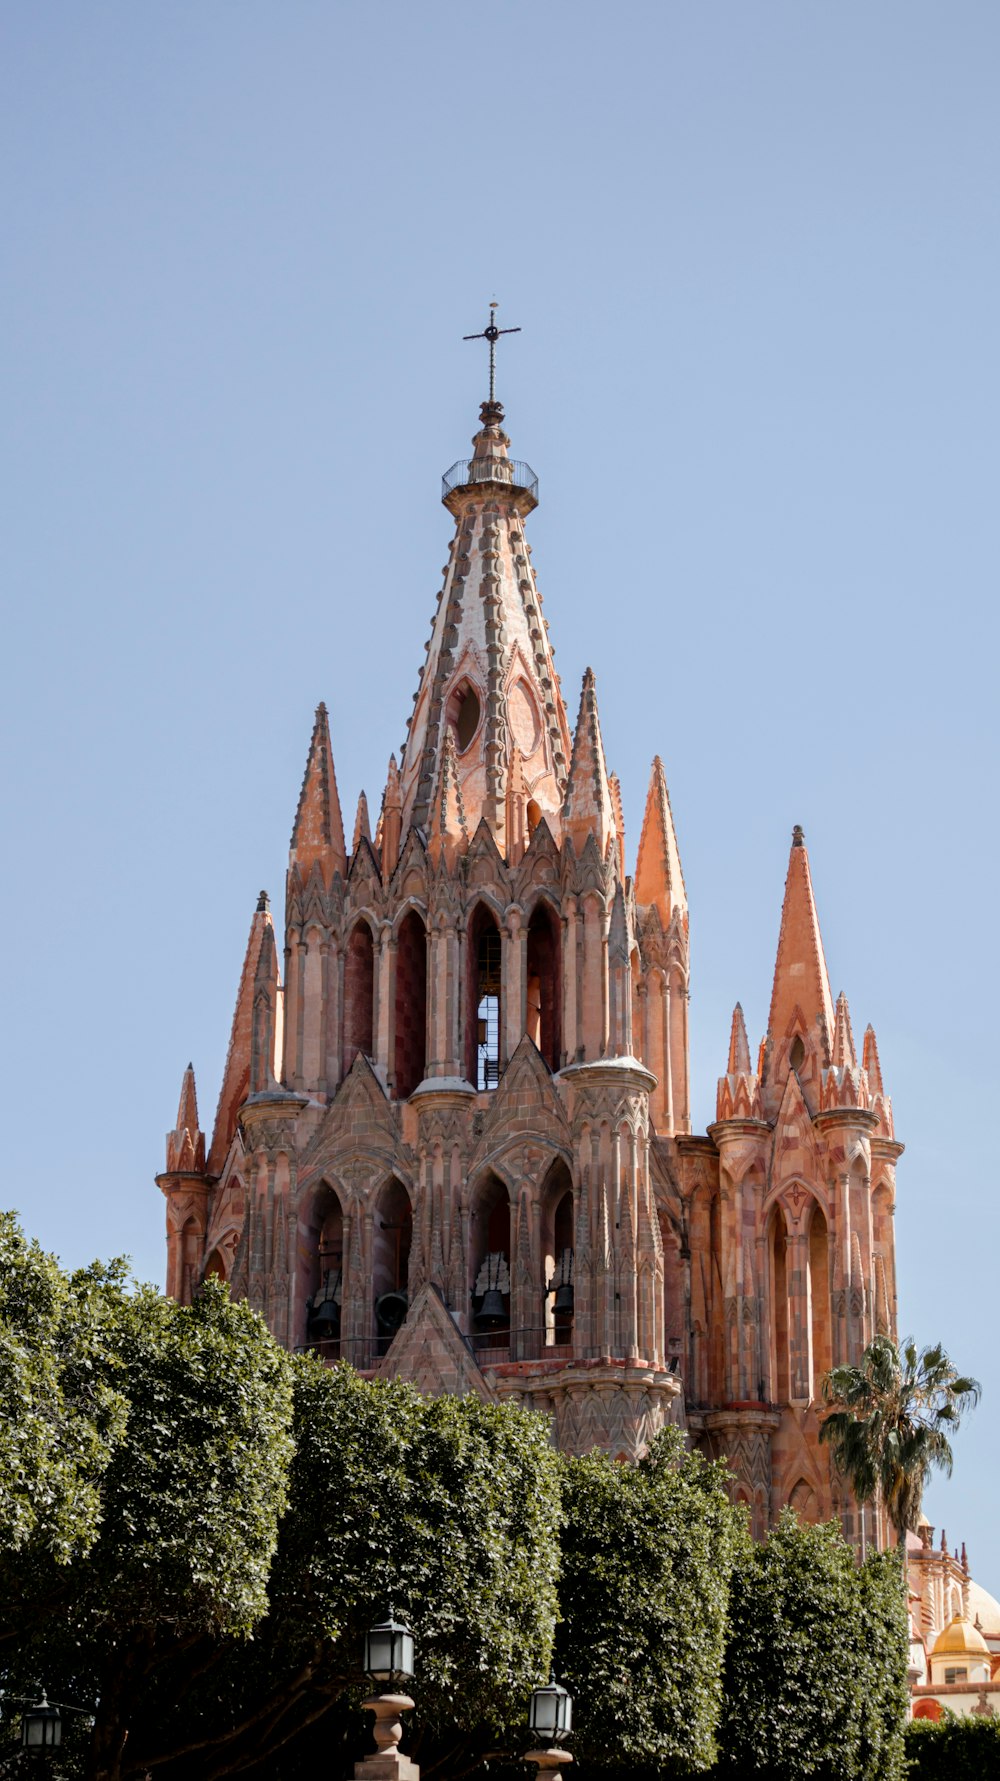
[(489, 679)]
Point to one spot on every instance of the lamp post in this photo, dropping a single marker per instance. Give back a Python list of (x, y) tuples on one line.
[(550, 1718), (388, 1659)]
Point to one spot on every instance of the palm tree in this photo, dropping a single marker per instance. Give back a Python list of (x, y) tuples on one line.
[(890, 1421)]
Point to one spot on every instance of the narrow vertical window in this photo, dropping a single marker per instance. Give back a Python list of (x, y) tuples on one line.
[(411, 1006), (484, 1000), (544, 984), (359, 993)]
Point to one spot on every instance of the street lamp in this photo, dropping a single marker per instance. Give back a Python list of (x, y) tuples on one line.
[(550, 1718), (389, 1651), (388, 1659), (41, 1726)]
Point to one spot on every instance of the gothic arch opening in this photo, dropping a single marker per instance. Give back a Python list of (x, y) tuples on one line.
[(359, 994), (463, 714), (323, 1273), (190, 1250), (215, 1267), (820, 1321), (484, 999), (544, 983), (778, 1257), (411, 1006), (490, 1265), (559, 1288), (797, 1053), (392, 1236)]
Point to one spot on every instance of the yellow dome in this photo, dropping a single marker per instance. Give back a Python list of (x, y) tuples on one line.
[(960, 1639)]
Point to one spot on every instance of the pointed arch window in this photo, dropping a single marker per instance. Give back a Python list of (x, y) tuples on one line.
[(463, 713), (544, 983), (490, 1266), (820, 1330), (780, 1370), (359, 994), (325, 1250), (391, 1240), (797, 1053), (411, 1006), (485, 996)]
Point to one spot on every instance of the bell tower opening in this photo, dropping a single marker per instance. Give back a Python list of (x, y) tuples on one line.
[(391, 1241), (411, 1006), (325, 1278), (359, 994), (544, 984), (490, 1274), (483, 1041)]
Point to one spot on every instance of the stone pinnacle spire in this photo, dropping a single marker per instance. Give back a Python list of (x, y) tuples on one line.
[(318, 833), (658, 875), (236, 1076), (589, 808), (801, 983), (448, 833), (739, 1048), (489, 677), (186, 1143)]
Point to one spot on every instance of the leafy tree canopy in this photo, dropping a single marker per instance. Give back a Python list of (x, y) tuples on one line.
[(815, 1672), (647, 1555)]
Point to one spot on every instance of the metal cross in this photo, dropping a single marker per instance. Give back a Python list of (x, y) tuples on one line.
[(492, 333)]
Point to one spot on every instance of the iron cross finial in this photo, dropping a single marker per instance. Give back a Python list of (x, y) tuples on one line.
[(492, 333)]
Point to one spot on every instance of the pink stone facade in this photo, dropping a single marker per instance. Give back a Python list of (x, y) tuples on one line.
[(453, 1141)]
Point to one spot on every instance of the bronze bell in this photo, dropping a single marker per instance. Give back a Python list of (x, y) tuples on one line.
[(390, 1312), (491, 1314), (563, 1305), (325, 1320)]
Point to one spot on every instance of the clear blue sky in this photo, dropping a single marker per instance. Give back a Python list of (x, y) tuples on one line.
[(754, 253)]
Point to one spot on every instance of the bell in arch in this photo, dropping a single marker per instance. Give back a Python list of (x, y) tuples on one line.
[(492, 1283), (562, 1286)]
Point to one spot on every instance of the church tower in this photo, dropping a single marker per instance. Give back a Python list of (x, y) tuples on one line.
[(453, 1142)]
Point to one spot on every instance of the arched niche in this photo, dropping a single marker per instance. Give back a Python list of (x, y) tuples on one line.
[(777, 1249), (215, 1267), (544, 1000), (819, 1307), (489, 1263), (410, 1053), (392, 1236), (484, 999), (322, 1272), (359, 994), (558, 1257), (802, 1499)]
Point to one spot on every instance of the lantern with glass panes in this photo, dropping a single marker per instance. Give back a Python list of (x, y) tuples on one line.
[(389, 1661), (389, 1651), (550, 1719), (41, 1726)]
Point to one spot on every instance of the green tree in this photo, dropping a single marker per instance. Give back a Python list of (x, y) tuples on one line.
[(953, 1750), (62, 1416), (890, 1421), (446, 1510), (647, 1556), (815, 1671), (216, 1524)]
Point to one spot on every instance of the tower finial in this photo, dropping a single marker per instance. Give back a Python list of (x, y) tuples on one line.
[(492, 333)]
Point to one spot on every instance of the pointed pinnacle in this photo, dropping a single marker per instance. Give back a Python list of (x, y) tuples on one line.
[(362, 826), (659, 879), (739, 1049), (318, 831), (800, 975), (588, 808)]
